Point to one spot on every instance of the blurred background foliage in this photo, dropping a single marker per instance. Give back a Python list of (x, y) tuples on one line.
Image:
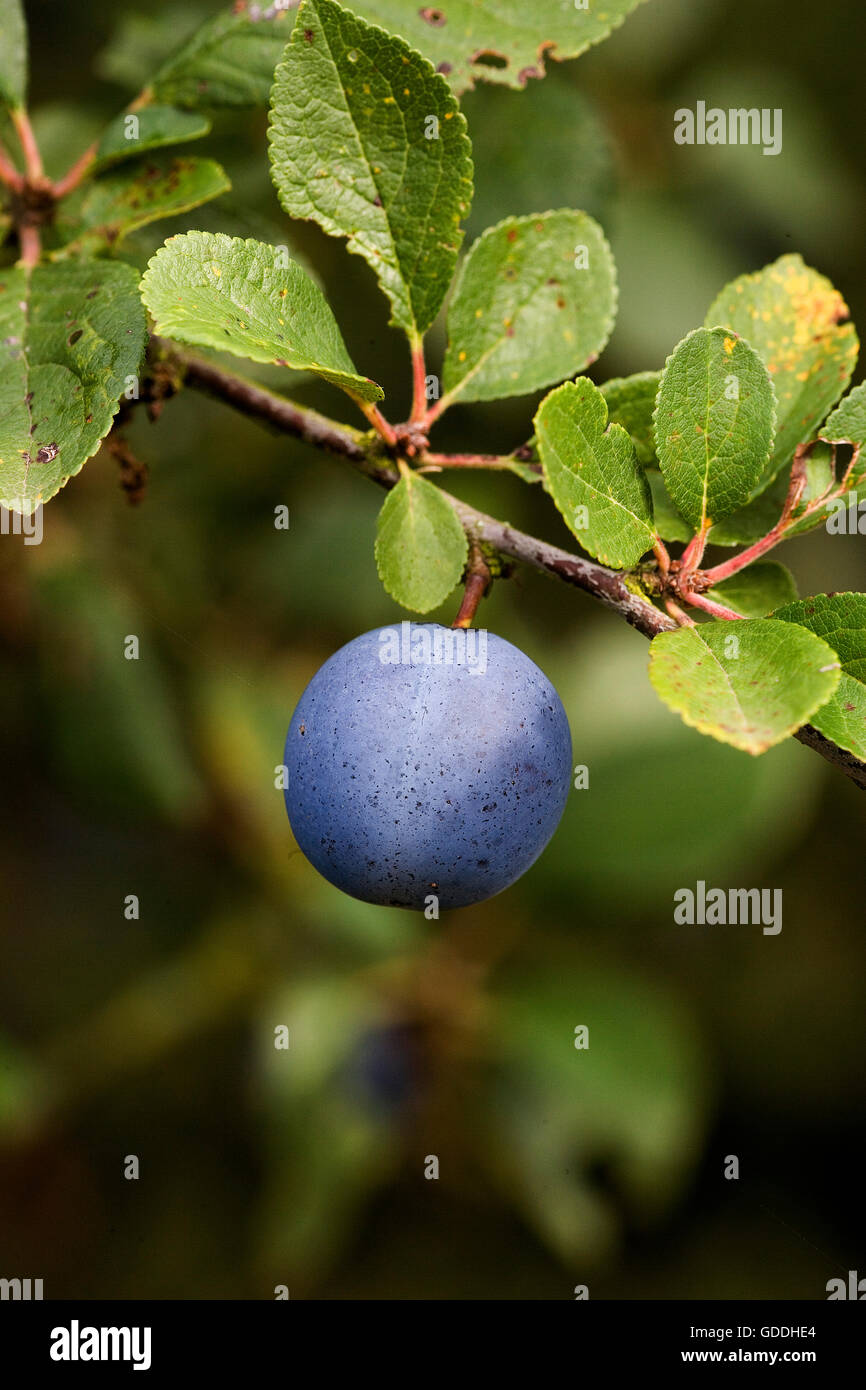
[(409, 1038)]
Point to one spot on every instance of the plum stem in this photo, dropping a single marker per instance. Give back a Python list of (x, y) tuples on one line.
[(477, 580)]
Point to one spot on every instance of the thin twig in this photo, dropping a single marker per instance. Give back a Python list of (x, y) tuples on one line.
[(77, 173), (377, 420), (439, 461), (477, 580), (31, 244), (419, 382), (9, 174), (27, 140), (680, 615), (788, 518), (610, 587), (718, 610), (84, 163), (694, 551)]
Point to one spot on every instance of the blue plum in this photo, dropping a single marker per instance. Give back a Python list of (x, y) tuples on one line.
[(424, 760)]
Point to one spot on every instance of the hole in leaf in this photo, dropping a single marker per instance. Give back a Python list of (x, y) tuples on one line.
[(487, 58)]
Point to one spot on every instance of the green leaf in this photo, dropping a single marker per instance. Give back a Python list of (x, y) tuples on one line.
[(750, 683), (593, 475), (229, 61), (750, 523), (798, 324), (756, 591), (629, 742), (667, 521), (220, 292), (713, 424), (420, 545), (841, 515), (130, 134), (754, 521), (631, 402), (847, 424), (497, 40), (369, 142), (13, 53), (534, 303), (840, 619), (70, 337), (820, 478), (118, 204)]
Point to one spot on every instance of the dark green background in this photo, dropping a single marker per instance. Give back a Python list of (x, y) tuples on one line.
[(412, 1038)]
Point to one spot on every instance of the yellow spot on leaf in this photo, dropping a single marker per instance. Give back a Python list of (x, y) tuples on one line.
[(730, 344)]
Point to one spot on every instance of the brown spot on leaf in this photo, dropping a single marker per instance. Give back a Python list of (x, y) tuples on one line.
[(73, 337), (431, 15), (47, 452)]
